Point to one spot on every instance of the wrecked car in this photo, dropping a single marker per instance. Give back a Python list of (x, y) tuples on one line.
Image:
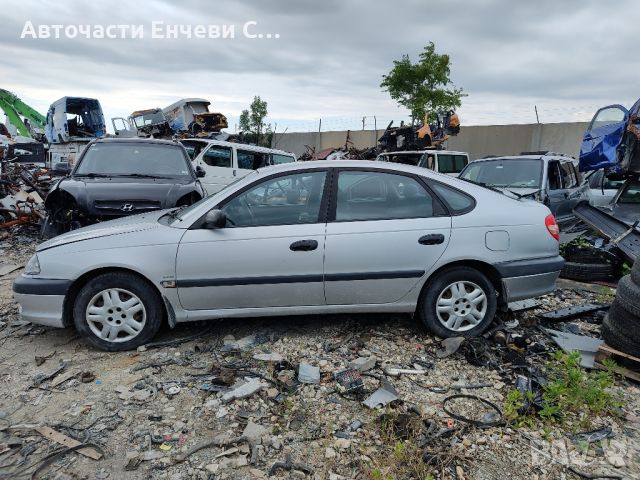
[(612, 140), (118, 177), (300, 238), (73, 118), (443, 161), (143, 123), (192, 115), (550, 178)]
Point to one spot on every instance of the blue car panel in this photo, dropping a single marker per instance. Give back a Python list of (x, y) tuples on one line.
[(600, 143)]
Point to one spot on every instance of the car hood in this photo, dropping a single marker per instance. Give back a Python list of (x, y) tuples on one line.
[(132, 223), (114, 192)]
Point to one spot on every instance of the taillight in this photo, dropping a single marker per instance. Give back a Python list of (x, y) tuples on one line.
[(552, 226)]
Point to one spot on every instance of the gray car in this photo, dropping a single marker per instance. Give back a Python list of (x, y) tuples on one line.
[(550, 178), (305, 238)]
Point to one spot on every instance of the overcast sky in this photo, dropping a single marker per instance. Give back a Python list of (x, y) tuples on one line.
[(566, 57)]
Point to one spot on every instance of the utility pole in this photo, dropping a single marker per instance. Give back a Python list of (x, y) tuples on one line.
[(535, 107)]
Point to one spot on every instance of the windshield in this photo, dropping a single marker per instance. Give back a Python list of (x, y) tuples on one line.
[(149, 118), (505, 172), (133, 159), (631, 194)]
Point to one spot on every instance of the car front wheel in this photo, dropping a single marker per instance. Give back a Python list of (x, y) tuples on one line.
[(117, 311), (458, 302)]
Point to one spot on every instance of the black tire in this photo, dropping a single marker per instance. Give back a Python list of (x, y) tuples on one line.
[(622, 321), (617, 338), (588, 271), (635, 272), (628, 295), (436, 285), (145, 292)]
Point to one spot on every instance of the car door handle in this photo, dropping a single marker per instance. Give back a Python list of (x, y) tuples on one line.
[(303, 245), (432, 239)]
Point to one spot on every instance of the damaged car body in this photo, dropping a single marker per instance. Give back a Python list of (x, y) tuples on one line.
[(118, 177), (74, 118)]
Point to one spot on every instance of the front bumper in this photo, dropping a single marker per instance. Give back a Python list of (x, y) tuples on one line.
[(41, 300), (524, 279)]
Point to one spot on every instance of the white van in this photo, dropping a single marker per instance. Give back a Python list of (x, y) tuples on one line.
[(225, 162), (443, 161)]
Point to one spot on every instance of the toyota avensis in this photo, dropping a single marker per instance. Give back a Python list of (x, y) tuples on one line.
[(320, 237)]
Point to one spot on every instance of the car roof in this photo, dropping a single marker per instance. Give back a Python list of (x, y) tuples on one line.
[(137, 140), (424, 151), (544, 158)]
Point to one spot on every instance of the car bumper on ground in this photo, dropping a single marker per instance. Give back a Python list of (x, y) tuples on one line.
[(41, 300), (531, 278)]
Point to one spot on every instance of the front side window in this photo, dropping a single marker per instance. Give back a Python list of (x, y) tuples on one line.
[(607, 116), (218, 156), (381, 196), (285, 200), (569, 179), (249, 160)]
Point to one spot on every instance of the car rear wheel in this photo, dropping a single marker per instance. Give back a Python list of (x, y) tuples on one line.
[(458, 302), (117, 311)]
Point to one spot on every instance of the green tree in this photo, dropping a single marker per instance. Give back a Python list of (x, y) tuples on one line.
[(424, 86), (252, 121)]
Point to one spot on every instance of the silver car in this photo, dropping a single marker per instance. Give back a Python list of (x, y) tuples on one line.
[(305, 238)]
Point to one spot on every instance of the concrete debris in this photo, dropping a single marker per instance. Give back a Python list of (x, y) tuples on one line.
[(268, 357), (254, 432), (251, 386), (363, 364), (308, 373)]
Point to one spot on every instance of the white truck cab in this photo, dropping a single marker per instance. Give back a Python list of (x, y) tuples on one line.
[(224, 162), (443, 161)]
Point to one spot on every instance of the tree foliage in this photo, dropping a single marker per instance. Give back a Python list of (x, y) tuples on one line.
[(424, 86), (252, 121)]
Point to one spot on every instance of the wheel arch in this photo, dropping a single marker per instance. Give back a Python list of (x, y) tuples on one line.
[(485, 268), (82, 280)]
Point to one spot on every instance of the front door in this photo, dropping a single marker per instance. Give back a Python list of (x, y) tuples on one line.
[(387, 233), (601, 140), (270, 253)]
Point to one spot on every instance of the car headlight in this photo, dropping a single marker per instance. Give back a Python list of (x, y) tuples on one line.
[(33, 266)]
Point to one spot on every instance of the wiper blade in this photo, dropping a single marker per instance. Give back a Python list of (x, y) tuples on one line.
[(482, 184), (138, 175), (92, 175)]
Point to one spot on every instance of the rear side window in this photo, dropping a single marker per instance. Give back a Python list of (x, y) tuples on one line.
[(218, 156), (277, 159), (457, 201), (249, 160), (448, 163), (381, 196)]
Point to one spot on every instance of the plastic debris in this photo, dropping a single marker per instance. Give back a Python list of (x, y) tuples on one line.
[(363, 364), (251, 386), (381, 397)]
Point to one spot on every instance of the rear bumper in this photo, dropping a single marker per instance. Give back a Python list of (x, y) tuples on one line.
[(41, 300), (524, 279)]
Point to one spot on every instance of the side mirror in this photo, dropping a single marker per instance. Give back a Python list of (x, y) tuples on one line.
[(200, 172), (215, 219), (61, 170)]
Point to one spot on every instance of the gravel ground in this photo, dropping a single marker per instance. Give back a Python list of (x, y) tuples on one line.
[(126, 403)]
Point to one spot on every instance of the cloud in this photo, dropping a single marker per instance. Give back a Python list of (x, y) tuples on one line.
[(567, 58)]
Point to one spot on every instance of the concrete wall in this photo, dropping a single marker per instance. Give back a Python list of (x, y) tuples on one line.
[(477, 140)]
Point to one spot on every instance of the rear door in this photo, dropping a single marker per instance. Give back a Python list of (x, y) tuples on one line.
[(250, 160), (601, 140), (387, 231)]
